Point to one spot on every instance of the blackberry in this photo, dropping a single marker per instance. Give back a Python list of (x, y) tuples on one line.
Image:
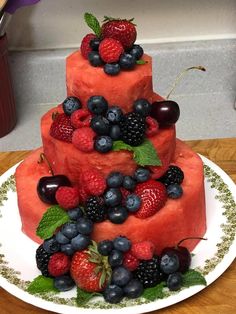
[(42, 259), (133, 129), (96, 209), (148, 272), (174, 175)]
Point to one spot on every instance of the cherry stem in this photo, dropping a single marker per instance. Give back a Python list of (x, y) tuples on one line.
[(190, 238), (176, 82), (42, 157)]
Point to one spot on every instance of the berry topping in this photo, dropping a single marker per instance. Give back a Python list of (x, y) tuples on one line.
[(113, 294), (121, 276), (97, 105), (80, 118), (120, 29), (174, 281), (114, 114), (67, 197), (105, 247), (133, 203), (142, 106), (174, 191), (122, 244), (75, 213), (93, 182), (142, 174), (127, 61), (110, 50), (136, 51), (129, 183), (63, 283), (83, 139), (42, 259), (94, 44), (148, 272), (113, 197), (61, 128), (114, 180), (115, 258), (143, 250), (133, 289), (96, 209), (112, 68), (117, 215), (173, 175), (133, 128), (85, 45), (152, 126), (153, 195), (130, 261), (80, 242), (95, 59), (59, 264), (71, 104), (103, 144), (85, 226), (169, 263), (100, 125), (51, 245), (69, 230)]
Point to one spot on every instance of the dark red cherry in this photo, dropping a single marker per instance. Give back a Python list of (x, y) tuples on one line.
[(47, 187), (166, 112), (183, 255)]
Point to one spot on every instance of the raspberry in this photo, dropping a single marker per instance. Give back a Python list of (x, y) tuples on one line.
[(85, 45), (81, 118), (152, 126), (93, 182), (130, 261), (59, 264), (143, 250), (83, 195), (61, 128), (83, 139), (110, 50), (67, 197)]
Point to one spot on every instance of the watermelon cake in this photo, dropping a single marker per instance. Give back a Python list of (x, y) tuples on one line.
[(112, 192)]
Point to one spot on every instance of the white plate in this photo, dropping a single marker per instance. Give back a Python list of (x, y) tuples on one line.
[(212, 257)]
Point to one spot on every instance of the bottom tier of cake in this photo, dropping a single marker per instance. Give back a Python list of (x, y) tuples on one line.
[(178, 219)]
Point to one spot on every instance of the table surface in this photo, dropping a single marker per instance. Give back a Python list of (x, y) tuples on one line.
[(218, 298)]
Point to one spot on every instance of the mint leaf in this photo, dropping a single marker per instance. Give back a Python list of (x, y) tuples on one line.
[(141, 61), (154, 293), (41, 284), (53, 218), (193, 278), (93, 23), (83, 296), (144, 154)]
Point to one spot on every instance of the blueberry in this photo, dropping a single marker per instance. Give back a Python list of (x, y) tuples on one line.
[(103, 144), (133, 289), (136, 51), (113, 197), (115, 132), (117, 215), (85, 226), (105, 247), (112, 68), (133, 203), (122, 244), (67, 249), (70, 104), (95, 59), (80, 242), (100, 125), (75, 213), (174, 191), (63, 283), (127, 61), (51, 245), (113, 294), (115, 258), (174, 281), (114, 180), (114, 114), (129, 183), (94, 44), (121, 276), (142, 106), (61, 238), (69, 230), (169, 263), (97, 104), (142, 174)]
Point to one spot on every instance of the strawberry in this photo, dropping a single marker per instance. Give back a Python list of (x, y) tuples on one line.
[(61, 128), (93, 182), (83, 139), (90, 270), (130, 261), (120, 29), (67, 197), (110, 50), (85, 45), (153, 195), (143, 250), (59, 264)]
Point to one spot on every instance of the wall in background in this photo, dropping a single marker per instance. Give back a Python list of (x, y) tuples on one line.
[(59, 23)]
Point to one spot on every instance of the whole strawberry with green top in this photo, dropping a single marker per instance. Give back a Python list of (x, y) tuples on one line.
[(119, 29)]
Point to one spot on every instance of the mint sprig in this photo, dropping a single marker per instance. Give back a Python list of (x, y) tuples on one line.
[(193, 278), (83, 297), (41, 284), (141, 61), (154, 293), (93, 23), (144, 154), (53, 218)]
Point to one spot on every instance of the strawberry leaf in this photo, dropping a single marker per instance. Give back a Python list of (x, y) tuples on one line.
[(83, 297), (193, 278), (93, 23), (154, 293), (41, 284), (53, 218)]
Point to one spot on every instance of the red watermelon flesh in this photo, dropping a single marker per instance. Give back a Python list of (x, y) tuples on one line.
[(178, 219)]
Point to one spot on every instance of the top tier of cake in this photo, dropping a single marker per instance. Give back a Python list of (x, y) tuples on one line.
[(84, 81)]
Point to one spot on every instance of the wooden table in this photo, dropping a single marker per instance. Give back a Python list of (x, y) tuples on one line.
[(218, 298)]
